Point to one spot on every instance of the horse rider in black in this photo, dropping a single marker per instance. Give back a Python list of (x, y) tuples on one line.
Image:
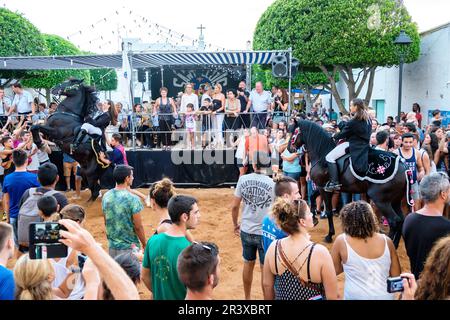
[(356, 132), (96, 126)]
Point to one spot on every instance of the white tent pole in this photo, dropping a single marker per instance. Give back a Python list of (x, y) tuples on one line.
[(130, 59), (290, 81)]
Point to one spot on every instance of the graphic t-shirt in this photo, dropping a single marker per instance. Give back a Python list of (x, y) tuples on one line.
[(257, 193), (7, 285), (119, 207), (161, 256), (15, 185), (271, 232)]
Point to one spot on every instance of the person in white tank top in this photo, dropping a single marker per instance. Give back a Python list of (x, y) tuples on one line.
[(366, 257)]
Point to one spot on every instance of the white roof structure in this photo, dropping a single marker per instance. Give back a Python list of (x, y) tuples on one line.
[(139, 60)]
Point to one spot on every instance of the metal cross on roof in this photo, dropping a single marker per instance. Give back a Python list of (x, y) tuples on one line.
[(201, 29)]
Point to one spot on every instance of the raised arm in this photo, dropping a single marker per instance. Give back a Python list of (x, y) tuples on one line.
[(121, 286)]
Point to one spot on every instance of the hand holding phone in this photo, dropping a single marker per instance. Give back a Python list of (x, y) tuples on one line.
[(44, 240)]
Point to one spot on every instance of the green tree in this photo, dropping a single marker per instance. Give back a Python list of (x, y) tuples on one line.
[(48, 79), (19, 37), (104, 79), (338, 37)]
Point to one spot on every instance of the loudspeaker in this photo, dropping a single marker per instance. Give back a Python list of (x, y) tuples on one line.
[(294, 67), (280, 66), (141, 75)]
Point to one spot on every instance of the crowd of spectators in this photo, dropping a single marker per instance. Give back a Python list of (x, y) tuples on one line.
[(273, 226)]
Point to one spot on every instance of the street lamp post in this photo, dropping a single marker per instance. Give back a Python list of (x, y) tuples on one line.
[(402, 41)]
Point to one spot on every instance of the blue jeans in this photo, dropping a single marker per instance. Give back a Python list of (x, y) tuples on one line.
[(250, 244), (13, 222), (347, 199)]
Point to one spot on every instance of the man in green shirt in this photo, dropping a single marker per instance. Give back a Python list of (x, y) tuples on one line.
[(159, 267), (122, 213)]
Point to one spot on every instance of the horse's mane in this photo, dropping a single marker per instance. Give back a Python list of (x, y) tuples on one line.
[(316, 139), (91, 99)]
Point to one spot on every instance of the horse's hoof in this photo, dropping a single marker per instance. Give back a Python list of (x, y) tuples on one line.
[(315, 221), (329, 239)]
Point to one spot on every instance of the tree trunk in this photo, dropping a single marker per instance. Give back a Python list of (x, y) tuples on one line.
[(370, 85), (307, 95), (48, 96), (333, 88), (355, 86)]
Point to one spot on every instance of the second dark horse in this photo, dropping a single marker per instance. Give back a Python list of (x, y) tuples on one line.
[(63, 125), (387, 196)]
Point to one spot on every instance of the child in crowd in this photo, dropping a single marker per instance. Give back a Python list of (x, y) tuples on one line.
[(48, 208), (190, 124), (206, 121)]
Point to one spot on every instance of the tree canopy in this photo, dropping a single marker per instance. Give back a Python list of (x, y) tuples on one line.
[(48, 79), (338, 36), (19, 37), (104, 79)]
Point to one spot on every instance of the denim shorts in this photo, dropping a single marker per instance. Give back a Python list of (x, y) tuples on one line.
[(13, 222), (293, 175), (250, 244)]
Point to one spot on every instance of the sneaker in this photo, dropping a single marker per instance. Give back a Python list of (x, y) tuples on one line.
[(323, 215)]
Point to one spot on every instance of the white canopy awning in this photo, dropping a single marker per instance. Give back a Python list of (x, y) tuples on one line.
[(139, 60)]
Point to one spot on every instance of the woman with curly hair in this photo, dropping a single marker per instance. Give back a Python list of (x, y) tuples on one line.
[(295, 268), (434, 281), (366, 256)]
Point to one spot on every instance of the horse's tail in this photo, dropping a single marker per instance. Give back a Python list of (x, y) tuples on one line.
[(409, 182)]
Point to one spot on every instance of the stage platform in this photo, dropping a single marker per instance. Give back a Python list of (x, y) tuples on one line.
[(186, 168)]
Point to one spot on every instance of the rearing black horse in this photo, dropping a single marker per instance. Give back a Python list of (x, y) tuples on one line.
[(387, 196), (62, 126)]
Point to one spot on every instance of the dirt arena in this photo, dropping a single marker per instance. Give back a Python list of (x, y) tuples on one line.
[(215, 226)]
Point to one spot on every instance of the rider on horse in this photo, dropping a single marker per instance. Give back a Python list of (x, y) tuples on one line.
[(356, 132), (95, 126)]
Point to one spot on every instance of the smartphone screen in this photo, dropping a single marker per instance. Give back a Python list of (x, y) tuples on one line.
[(44, 241)]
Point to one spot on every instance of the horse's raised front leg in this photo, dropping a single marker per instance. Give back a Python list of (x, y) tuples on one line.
[(46, 130)]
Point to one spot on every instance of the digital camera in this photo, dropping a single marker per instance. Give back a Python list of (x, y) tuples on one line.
[(395, 284)]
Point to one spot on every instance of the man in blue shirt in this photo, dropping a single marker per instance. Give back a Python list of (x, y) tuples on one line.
[(285, 187), (14, 187), (117, 156), (7, 285)]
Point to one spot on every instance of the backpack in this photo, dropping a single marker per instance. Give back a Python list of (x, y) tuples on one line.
[(28, 213)]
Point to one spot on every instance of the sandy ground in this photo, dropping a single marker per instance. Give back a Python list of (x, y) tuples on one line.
[(216, 226)]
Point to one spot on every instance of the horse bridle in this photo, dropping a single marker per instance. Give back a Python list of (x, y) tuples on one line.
[(294, 137)]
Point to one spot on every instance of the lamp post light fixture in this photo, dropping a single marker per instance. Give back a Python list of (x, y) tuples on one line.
[(402, 41)]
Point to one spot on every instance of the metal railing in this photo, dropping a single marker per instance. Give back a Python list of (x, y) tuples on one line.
[(194, 130), (154, 131)]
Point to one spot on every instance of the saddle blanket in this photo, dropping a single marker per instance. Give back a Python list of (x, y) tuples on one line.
[(383, 166)]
